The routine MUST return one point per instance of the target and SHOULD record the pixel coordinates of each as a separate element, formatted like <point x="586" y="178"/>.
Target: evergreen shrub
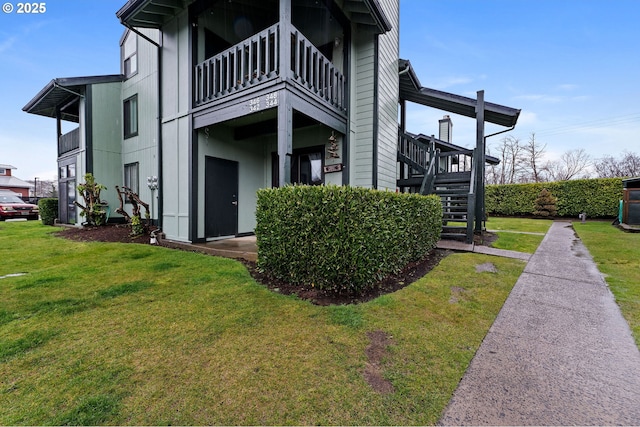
<point x="48" y="208"/>
<point x="342" y="239"/>
<point x="598" y="198"/>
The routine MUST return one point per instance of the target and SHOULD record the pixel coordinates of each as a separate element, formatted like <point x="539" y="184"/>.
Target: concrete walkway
<point x="559" y="352"/>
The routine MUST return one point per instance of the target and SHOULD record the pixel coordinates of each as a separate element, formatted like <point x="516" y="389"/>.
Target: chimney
<point x="446" y="128"/>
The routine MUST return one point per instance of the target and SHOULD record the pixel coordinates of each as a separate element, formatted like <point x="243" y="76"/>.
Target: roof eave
<point x="65" y="84"/>
<point x="411" y="90"/>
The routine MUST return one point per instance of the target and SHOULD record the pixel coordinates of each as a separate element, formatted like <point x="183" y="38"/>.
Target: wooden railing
<point x="414" y="153"/>
<point x="69" y="141"/>
<point x="315" y="72"/>
<point x="257" y="59"/>
<point x="457" y="161"/>
<point x="249" y="62"/>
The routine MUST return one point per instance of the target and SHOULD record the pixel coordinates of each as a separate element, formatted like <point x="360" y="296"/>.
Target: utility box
<point x="631" y="201"/>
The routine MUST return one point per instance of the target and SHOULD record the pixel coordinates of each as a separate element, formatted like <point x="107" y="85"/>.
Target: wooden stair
<point x="453" y="190"/>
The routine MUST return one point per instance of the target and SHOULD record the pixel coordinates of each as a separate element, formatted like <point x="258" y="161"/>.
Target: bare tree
<point x="611" y="167"/>
<point x="572" y="164"/>
<point x="509" y="152"/>
<point x="44" y="188"/>
<point x="532" y="159"/>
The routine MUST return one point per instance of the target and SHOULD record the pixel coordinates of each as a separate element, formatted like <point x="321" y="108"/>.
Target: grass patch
<point x="91" y="411"/>
<point x="7" y="316"/>
<point x="527" y="225"/>
<point x="616" y="254"/>
<point x="518" y="234"/>
<point x="124" y="289"/>
<point x="11" y="348"/>
<point x="527" y="243"/>
<point x="62" y="306"/>
<point x="203" y="344"/>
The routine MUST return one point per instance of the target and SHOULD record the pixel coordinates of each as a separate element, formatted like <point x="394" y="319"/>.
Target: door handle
<point x="234" y="203"/>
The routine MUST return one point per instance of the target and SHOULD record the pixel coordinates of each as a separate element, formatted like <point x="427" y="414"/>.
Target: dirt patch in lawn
<point x="412" y="272"/>
<point x="376" y="353"/>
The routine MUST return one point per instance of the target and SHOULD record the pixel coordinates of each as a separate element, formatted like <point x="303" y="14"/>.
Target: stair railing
<point x="428" y="182"/>
<point x="471" y="202"/>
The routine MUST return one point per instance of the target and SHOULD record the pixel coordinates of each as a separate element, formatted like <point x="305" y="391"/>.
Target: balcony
<point x="256" y="60"/>
<point x="69" y="141"/>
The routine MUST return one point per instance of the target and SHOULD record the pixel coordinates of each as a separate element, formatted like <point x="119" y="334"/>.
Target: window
<point x="130" y="55"/>
<point x="130" y="110"/>
<point x="306" y="166"/>
<point x="131" y="176"/>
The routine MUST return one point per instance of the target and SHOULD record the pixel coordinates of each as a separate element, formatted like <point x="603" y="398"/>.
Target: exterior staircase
<point x="427" y="170"/>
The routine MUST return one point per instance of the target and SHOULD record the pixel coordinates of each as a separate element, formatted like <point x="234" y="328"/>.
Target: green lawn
<point x="518" y="234"/>
<point x="104" y="333"/>
<point x="617" y="255"/>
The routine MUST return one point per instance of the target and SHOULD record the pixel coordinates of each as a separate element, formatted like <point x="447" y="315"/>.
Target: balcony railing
<point x="257" y="59"/>
<point x="69" y="142"/>
<point x="315" y="72"/>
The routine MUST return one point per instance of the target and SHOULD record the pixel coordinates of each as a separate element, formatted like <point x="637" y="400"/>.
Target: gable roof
<point x="412" y="90"/>
<point x="61" y="92"/>
<point x="154" y="13"/>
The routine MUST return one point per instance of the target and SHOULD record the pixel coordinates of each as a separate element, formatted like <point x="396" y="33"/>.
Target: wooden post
<point x="480" y="162"/>
<point x="285" y="39"/>
<point x="285" y="138"/>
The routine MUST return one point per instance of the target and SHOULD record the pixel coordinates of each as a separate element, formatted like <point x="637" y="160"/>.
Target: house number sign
<point x="263" y="102"/>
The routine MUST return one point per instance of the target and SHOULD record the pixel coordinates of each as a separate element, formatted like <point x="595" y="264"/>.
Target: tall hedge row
<point x="598" y="198"/>
<point x="342" y="239"/>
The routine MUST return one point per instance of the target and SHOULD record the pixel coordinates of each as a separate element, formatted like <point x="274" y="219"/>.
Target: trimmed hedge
<point x="48" y="210"/>
<point x="342" y="239"/>
<point x="598" y="198"/>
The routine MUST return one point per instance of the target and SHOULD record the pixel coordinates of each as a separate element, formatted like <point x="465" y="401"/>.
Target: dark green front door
<point x="221" y="197"/>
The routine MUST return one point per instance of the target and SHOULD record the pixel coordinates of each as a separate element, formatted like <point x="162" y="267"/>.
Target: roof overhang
<point x="411" y="90"/>
<point x="631" y="183"/>
<point x="148" y="13"/>
<point x="62" y="92"/>
<point x="154" y="13"/>
<point x="368" y="13"/>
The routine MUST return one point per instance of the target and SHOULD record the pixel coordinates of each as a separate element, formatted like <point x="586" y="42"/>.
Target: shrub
<point x="545" y="205"/>
<point x="342" y="239"/>
<point x="94" y="209"/>
<point x="598" y="198"/>
<point x="48" y="210"/>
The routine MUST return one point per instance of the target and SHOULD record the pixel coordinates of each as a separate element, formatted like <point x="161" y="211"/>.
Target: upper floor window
<point x="130" y="119"/>
<point x="130" y="55"/>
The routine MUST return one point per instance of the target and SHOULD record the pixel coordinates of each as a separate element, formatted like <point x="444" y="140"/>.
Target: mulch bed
<point x="412" y="272"/>
<point x="389" y="284"/>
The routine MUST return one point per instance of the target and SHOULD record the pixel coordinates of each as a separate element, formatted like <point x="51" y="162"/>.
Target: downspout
<point x="55" y="84"/>
<point x="374" y="155"/>
<point x="160" y="174"/>
<point x="484" y="183"/>
<point x="141" y="35"/>
<point x="498" y="133"/>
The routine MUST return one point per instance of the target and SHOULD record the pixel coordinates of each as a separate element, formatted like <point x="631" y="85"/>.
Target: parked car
<point x="12" y="206"/>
